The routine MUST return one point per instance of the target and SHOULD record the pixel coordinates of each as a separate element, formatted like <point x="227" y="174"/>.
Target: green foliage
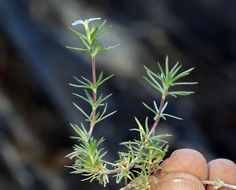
<point x="143" y="155"/>
<point x="86" y="83"/>
<point x="89" y="161"/>
<point x="156" y="111"/>
<point x="91" y="39"/>
<point x="140" y="183"/>
<point x="92" y="45"/>
<point x="100" y="102"/>
<point x="163" y="81"/>
<point x="88" y="157"/>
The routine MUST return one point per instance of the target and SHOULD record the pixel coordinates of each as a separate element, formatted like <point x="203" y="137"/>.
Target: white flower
<point x="85" y="21"/>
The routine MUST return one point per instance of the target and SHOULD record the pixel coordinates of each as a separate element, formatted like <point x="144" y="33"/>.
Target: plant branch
<point x="110" y="163"/>
<point x="94" y="97"/>
<point x="153" y="127"/>
<point x="218" y="184"/>
<point x="150" y="167"/>
<point x="159" y="115"/>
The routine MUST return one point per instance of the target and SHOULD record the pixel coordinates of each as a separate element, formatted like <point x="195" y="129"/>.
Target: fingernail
<point x="180" y="183"/>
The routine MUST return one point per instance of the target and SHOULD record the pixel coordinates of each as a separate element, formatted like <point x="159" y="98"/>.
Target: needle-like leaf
<point x="81" y="110"/>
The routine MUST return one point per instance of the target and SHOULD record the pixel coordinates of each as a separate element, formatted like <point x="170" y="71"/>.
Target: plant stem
<point x="149" y="168"/>
<point x="94" y="82"/>
<point x="218" y="184"/>
<point x="94" y="97"/>
<point x="153" y="127"/>
<point x="159" y="114"/>
<point x="158" y="118"/>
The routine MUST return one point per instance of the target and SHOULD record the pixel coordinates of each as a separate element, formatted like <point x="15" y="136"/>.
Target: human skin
<point x="185" y="169"/>
<point x="187" y="161"/>
<point x="224" y="169"/>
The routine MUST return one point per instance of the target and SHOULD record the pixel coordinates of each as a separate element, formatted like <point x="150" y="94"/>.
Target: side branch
<point x="159" y="113"/>
<point x="218" y="184"/>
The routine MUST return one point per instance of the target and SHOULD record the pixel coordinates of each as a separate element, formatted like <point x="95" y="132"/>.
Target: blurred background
<point x="35" y="69"/>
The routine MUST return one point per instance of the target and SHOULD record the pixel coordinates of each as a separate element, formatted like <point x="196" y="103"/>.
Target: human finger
<point x="180" y="181"/>
<point x="188" y="161"/>
<point x="223" y="169"/>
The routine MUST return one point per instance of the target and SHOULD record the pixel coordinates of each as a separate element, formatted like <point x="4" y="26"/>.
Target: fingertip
<point x="180" y="181"/>
<point x="223" y="169"/>
<point x="187" y="160"/>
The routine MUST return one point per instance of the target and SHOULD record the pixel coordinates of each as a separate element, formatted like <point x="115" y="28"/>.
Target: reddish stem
<point x="159" y="113"/>
<point x="94" y="97"/>
<point x="153" y="128"/>
<point x="158" y="118"/>
<point x="94" y="82"/>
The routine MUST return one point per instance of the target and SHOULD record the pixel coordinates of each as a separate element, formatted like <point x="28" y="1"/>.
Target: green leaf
<point x="180" y="93"/>
<point x="98" y="102"/>
<point x="77" y="33"/>
<point x="167" y="68"/>
<point x="184" y="83"/>
<point x="153" y="74"/>
<point x="80" y="109"/>
<point x="164" y="107"/>
<point x="88" y="81"/>
<point x="140" y="128"/>
<point x="77" y="49"/>
<point x="92" y="29"/>
<point x="79" y="86"/>
<point x="129" y="142"/>
<point x="81" y="132"/>
<point x="97" y="48"/>
<point x="184" y="73"/>
<point x="101" y="26"/>
<point x="100" y="29"/>
<point x="156" y="83"/>
<point x="85" y="44"/>
<point x="100" y="77"/>
<point x="96" y="117"/>
<point x="112" y="47"/>
<point x="162" y="72"/>
<point x="153" y="85"/>
<point x="149" y="108"/>
<point x="104" y="80"/>
<point x="106" y="49"/>
<point x="108" y="115"/>
<point x="86" y="85"/>
<point x="83" y="98"/>
<point x="119" y="177"/>
<point x="89" y="97"/>
<point x="93" y="34"/>
<point x="146" y="126"/>
<point x="81" y="82"/>
<point x="174" y="69"/>
<point x="106" y="97"/>
<point x="104" y="111"/>
<point x="155" y="106"/>
<point x="172" y="116"/>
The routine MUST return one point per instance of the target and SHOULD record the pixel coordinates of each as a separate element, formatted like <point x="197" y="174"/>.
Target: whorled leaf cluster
<point x="92" y="38"/>
<point x="100" y="102"/>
